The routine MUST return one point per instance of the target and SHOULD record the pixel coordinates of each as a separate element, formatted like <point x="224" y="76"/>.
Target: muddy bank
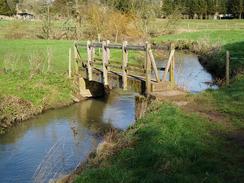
<point x="14" y="110"/>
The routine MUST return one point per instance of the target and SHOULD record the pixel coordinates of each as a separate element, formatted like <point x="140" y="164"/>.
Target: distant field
<point x="201" y="24"/>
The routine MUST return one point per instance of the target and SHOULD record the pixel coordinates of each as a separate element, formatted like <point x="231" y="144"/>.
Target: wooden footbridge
<point x="98" y="65"/>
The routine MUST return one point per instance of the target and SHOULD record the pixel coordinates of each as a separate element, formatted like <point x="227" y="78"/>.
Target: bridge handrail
<point x="120" y="46"/>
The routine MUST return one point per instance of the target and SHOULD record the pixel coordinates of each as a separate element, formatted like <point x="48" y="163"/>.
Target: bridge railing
<point x="146" y="69"/>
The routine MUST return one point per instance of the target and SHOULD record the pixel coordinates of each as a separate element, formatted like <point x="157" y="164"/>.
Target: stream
<point x="55" y="143"/>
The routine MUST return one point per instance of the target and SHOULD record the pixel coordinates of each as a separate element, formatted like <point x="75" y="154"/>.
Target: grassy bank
<point x="29" y="85"/>
<point x="171" y="146"/>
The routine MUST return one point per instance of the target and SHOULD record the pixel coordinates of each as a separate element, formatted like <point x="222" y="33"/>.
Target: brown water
<point x="54" y="143"/>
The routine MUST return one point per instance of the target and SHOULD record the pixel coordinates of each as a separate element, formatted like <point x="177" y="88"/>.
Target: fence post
<point x="172" y="67"/>
<point x="89" y="60"/>
<point x="124" y="64"/>
<point x="70" y="60"/>
<point x="99" y="40"/>
<point x="76" y="59"/>
<point x="227" y="68"/>
<point x="105" y="63"/>
<point x="148" y="69"/>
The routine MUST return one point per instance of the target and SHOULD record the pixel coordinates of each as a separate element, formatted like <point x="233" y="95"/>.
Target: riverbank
<point x="22" y="97"/>
<point x="201" y="141"/>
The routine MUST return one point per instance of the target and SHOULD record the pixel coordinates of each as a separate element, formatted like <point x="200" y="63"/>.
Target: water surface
<point x="189" y="73"/>
<point x="54" y="143"/>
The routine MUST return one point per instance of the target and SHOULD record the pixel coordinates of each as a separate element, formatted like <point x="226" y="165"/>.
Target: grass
<point x="171" y="146"/>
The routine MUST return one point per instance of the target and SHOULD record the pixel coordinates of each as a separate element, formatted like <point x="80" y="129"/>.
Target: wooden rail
<point x="105" y="65"/>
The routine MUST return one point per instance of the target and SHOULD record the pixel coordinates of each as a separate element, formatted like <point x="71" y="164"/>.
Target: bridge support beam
<point x="125" y="64"/>
<point x="148" y="69"/>
<point x="105" y="63"/>
<point x="89" y="60"/>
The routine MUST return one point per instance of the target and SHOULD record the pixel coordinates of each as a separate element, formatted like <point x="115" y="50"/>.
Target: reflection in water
<point x="189" y="73"/>
<point x="56" y="142"/>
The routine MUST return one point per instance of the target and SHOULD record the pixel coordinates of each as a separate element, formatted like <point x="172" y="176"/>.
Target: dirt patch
<point x="208" y="112"/>
<point x="14" y="109"/>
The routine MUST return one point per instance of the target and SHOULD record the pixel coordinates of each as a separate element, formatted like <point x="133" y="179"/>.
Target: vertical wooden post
<point x="227" y="67"/>
<point x="124" y="64"/>
<point x="105" y="63"/>
<point x="172" y="67"/>
<point x="48" y="59"/>
<point x="108" y="53"/>
<point x="89" y="60"/>
<point x="172" y="52"/>
<point x="76" y="59"/>
<point x="148" y="69"/>
<point x="99" y="40"/>
<point x="70" y="60"/>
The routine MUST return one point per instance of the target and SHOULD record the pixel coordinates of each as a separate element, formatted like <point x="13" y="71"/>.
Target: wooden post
<point x="148" y="69"/>
<point x="76" y="59"/>
<point x="89" y="60"/>
<point x="227" y="67"/>
<point x="70" y="60"/>
<point x="48" y="59"/>
<point x="108" y="54"/>
<point x="99" y="40"/>
<point x="154" y="65"/>
<point x="172" y="68"/>
<point x="171" y="56"/>
<point x="105" y="64"/>
<point x="124" y="64"/>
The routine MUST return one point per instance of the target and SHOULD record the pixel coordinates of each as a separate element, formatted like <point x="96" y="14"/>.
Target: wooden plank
<point x="70" y="60"/>
<point x="227" y="68"/>
<point x="105" y="63"/>
<point x="76" y="54"/>
<point x="172" y="71"/>
<point x="148" y="70"/>
<point x="168" y="64"/>
<point x="154" y="65"/>
<point x="89" y="60"/>
<point x="124" y="64"/>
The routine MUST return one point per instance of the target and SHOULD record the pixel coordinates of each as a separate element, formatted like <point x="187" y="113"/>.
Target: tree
<point x="7" y="7"/>
<point x="238" y="7"/>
